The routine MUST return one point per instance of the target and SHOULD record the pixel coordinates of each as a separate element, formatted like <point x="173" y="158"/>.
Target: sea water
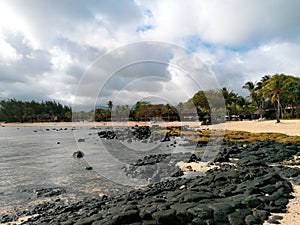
<point x="41" y="157"/>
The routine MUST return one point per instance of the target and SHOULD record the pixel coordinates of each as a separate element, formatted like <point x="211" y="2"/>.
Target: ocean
<point x="33" y="158"/>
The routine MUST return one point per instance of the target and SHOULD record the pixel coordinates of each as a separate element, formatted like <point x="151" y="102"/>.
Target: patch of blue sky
<point x="194" y="42"/>
<point x="242" y="47"/>
<point x="148" y="13"/>
<point x="144" y="28"/>
<point x="238" y="48"/>
<point x="170" y="56"/>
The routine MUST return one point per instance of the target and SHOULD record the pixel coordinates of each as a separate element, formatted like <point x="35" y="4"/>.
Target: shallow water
<point x="41" y="157"/>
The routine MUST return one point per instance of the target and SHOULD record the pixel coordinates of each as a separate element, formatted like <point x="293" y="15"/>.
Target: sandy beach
<point x="289" y="127"/>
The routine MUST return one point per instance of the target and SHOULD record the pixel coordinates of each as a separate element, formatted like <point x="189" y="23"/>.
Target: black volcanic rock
<point x="241" y="194"/>
<point x="78" y="154"/>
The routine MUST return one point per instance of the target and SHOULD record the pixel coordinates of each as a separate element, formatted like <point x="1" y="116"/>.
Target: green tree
<point x="169" y="112"/>
<point x="251" y="87"/>
<point x="12" y="110"/>
<point x="110" y="105"/>
<point x="293" y="93"/>
<point x="138" y="109"/>
<point x="275" y="88"/>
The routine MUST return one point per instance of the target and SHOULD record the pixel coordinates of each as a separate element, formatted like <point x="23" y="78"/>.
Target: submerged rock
<point x="78" y="154"/>
<point x="81" y="140"/>
<point x="88" y="168"/>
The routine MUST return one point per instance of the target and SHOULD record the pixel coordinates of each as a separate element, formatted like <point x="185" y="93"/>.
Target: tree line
<point x="280" y="91"/>
<point x="141" y="111"/>
<point x="273" y="96"/>
<point x="13" y="110"/>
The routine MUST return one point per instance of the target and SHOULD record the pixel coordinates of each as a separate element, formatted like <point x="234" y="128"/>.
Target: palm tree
<point x="255" y="91"/>
<point x="292" y="92"/>
<point x="265" y="78"/>
<point x="110" y="105"/>
<point x="251" y="87"/>
<point x="230" y="101"/>
<point x="258" y="90"/>
<point x="274" y="88"/>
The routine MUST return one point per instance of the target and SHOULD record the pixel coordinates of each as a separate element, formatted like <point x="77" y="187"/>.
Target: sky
<point x="84" y="53"/>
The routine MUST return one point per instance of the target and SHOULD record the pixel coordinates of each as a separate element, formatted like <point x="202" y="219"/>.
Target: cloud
<point x="8" y="53"/>
<point x="49" y="47"/>
<point x="44" y="22"/>
<point x="146" y="69"/>
<point x="54" y="38"/>
<point x="230" y="22"/>
<point x="273" y="58"/>
<point x="125" y="66"/>
<point x="20" y="61"/>
<point x="239" y="67"/>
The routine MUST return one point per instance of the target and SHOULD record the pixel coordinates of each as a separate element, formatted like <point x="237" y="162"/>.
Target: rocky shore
<point x="249" y="182"/>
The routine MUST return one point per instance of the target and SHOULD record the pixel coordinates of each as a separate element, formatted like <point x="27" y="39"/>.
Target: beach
<point x="289" y="127"/>
<point x="246" y="191"/>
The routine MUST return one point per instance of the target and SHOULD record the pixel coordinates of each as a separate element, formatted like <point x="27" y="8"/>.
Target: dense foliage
<point x="280" y="91"/>
<point x="49" y="111"/>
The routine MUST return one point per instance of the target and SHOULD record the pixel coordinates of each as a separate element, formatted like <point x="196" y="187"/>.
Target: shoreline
<point x="288" y="127"/>
<point x="235" y="183"/>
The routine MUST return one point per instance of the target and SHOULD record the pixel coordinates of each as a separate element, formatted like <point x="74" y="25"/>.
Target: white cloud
<point x="57" y="85"/>
<point x="239" y="67"/>
<point x="228" y="22"/>
<point x="46" y="46"/>
<point x="61" y="60"/>
<point x="273" y="58"/>
<point x="8" y="54"/>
